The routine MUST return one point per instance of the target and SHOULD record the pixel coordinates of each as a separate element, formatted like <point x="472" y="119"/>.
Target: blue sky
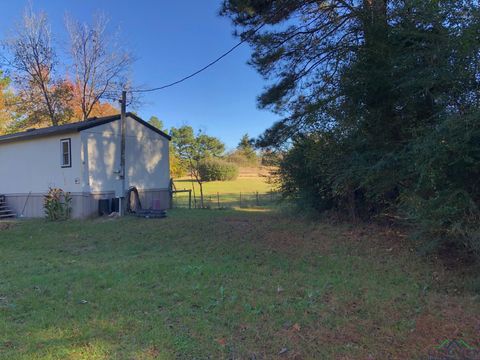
<point x="171" y="39"/>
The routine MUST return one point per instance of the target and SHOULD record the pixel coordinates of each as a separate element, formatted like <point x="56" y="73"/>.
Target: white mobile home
<point x="83" y="159"/>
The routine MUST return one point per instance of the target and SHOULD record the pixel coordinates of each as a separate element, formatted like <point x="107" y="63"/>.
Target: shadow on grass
<point x="237" y="283"/>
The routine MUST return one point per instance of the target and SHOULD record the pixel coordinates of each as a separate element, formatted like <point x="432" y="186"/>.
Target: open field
<point x="224" y="284"/>
<point x="246" y="187"/>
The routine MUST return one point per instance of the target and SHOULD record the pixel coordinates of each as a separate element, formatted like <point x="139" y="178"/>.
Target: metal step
<point x="5" y="211"/>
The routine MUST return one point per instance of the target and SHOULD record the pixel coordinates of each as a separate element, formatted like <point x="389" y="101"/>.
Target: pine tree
<point x="246" y="149"/>
<point x="380" y="102"/>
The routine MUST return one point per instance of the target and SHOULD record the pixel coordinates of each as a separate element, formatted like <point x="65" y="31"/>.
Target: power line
<point x="203" y="68"/>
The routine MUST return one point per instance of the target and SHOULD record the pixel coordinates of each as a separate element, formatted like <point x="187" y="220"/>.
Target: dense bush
<point x="380" y="111"/>
<point x="217" y="170"/>
<point x="431" y="182"/>
<point x="444" y="198"/>
<point x="57" y="204"/>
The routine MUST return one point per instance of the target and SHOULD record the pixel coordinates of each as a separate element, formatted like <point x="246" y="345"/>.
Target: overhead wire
<point x="245" y="39"/>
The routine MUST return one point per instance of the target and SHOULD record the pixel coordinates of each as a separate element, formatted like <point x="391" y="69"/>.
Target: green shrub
<point x="57" y="204"/>
<point x="430" y="183"/>
<point x="217" y="170"/>
<point x="444" y="200"/>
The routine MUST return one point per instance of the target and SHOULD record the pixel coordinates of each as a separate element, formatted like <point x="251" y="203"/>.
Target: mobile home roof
<point x="75" y="127"/>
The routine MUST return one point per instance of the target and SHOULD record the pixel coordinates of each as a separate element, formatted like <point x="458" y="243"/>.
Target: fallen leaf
<point x="296" y="327"/>
<point x="222" y="341"/>
<point x="283" y="351"/>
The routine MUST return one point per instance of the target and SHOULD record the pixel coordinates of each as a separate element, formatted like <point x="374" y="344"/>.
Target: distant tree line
<point x="380" y="104"/>
<point x="37" y="89"/>
<point x="203" y="157"/>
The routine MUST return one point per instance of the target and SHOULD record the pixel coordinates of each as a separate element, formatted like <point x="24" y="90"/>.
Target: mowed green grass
<point x="240" y="192"/>
<point x="211" y="284"/>
<point x="242" y="184"/>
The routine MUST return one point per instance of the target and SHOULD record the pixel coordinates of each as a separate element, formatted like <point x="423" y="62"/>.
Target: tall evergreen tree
<point x="380" y="100"/>
<point x="246" y="148"/>
<point x="155" y="121"/>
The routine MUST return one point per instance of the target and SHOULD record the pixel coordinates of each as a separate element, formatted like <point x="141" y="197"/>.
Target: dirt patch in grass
<point x="6" y="225"/>
<point x="305" y="235"/>
<point x="366" y="339"/>
<point x="292" y="237"/>
<point x="441" y="316"/>
<point x="445" y="318"/>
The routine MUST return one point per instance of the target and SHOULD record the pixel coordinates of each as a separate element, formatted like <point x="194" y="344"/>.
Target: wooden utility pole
<point x="123" y="125"/>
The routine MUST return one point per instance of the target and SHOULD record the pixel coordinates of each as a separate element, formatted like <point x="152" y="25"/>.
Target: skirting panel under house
<point x="84" y="205"/>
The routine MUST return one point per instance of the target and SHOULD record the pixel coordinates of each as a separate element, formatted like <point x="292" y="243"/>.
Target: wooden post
<point x="190" y="199"/>
<point x="256" y="195"/>
<point x="240" y="199"/>
<point x="172" y="187"/>
<point x="218" y="200"/>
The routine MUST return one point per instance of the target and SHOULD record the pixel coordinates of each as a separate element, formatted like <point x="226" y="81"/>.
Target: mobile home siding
<point x="29" y="166"/>
<point x="34" y="165"/>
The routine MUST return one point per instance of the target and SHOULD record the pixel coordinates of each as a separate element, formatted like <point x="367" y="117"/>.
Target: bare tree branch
<point x="100" y="65"/>
<point x="33" y="61"/>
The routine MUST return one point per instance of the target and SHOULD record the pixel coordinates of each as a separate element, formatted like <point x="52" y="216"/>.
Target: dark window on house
<point x="66" y="152"/>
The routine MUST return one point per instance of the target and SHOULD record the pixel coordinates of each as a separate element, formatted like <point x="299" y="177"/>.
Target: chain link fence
<point x="186" y="199"/>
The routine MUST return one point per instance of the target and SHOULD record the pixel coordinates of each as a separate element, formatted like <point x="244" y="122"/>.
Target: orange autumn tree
<point x="98" y="109"/>
<point x="5" y="112"/>
<point x="32" y="61"/>
<point x="41" y="94"/>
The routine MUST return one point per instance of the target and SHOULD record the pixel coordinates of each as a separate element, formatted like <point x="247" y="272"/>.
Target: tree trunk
<point x="352" y="207"/>
<point x="201" y="194"/>
<point x="194" y="193"/>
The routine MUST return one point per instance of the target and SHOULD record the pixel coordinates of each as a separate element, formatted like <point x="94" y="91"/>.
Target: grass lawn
<point x="246" y="185"/>
<point x="224" y="284"/>
<point x="229" y="192"/>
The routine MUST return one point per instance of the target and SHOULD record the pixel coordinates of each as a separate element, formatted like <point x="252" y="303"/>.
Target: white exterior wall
<point x="100" y="156"/>
<point x="147" y="158"/>
<point x="34" y="165"/>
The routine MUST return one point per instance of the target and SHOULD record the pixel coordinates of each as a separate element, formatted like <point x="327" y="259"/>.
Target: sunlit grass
<point x="242" y="192"/>
<point x="245" y="185"/>
<point x="221" y="284"/>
